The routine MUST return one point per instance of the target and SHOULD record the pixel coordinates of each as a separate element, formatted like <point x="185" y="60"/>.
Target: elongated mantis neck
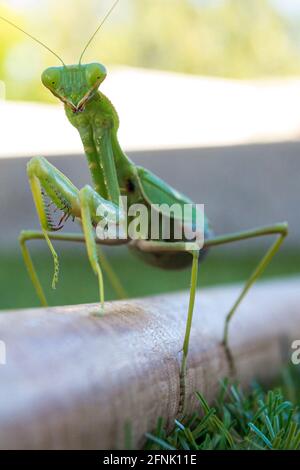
<point x="97" y="126"/>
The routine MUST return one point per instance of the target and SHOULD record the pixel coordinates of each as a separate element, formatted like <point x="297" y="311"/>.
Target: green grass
<point x="260" y="419"/>
<point x="77" y="283"/>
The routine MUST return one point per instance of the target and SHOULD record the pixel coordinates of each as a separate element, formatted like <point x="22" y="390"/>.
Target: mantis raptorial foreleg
<point x="90" y="202"/>
<point x="45" y="178"/>
<point x="87" y="202"/>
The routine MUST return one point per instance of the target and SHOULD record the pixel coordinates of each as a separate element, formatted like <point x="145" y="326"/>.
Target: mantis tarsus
<point x="114" y="174"/>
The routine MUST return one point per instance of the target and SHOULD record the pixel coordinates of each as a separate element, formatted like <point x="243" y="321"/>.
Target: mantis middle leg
<point x="27" y="235"/>
<point x="194" y="250"/>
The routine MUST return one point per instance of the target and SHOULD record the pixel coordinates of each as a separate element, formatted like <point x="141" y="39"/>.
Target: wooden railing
<point x="74" y="380"/>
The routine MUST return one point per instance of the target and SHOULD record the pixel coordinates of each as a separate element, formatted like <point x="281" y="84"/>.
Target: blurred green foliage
<point x="229" y="38"/>
<point x="220" y="267"/>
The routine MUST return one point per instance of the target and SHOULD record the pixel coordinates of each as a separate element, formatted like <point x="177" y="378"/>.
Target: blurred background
<point x="208" y="93"/>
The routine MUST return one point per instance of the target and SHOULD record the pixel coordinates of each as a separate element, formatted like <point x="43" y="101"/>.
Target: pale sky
<point x="290" y="7"/>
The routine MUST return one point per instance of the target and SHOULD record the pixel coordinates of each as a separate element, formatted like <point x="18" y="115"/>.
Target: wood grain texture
<point x="73" y="380"/>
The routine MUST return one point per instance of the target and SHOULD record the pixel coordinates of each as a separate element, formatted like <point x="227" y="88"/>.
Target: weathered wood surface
<point x="72" y="380"/>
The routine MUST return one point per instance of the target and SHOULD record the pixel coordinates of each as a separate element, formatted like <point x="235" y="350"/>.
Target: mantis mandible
<point x="114" y="174"/>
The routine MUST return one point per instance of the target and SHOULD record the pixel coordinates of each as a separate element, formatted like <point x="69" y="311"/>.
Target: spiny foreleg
<point x="48" y="183"/>
<point x="92" y="205"/>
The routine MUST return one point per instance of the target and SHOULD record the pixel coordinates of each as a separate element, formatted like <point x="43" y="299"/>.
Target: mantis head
<point x="74" y="85"/>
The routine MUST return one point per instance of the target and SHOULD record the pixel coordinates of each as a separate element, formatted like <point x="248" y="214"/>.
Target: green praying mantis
<point x="114" y="175"/>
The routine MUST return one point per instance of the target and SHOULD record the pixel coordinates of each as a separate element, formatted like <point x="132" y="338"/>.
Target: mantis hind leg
<point x="27" y="235"/>
<point x="281" y="230"/>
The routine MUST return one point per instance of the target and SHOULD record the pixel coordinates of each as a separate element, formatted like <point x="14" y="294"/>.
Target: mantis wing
<point x="158" y="192"/>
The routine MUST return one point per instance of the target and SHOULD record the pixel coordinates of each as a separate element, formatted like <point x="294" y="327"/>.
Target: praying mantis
<point x="114" y="175"/>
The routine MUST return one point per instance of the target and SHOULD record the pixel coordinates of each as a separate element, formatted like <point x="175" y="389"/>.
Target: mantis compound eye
<point x="95" y="74"/>
<point x="51" y="77"/>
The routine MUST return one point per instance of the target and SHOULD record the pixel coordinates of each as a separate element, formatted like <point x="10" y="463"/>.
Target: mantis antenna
<point x="32" y="37"/>
<point x="102" y="22"/>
